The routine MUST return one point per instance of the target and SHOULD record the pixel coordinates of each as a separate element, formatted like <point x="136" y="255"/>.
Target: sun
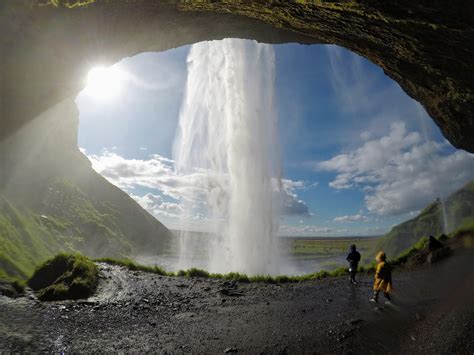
<point x="104" y="83"/>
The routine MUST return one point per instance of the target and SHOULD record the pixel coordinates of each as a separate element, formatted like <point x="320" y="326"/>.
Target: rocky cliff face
<point x="426" y="46"/>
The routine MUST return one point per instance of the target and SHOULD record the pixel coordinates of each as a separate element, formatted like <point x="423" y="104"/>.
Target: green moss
<point x="193" y="272"/>
<point x="66" y="276"/>
<point x="236" y="276"/>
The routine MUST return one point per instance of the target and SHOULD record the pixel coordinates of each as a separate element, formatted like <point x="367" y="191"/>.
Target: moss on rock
<point x="66" y="276"/>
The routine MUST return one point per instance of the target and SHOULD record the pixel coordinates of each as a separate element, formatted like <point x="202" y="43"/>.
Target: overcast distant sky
<point x="359" y="155"/>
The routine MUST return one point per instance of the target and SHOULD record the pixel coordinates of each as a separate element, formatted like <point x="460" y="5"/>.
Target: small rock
<point x="231" y="350"/>
<point x="152" y="323"/>
<point x="354" y="321"/>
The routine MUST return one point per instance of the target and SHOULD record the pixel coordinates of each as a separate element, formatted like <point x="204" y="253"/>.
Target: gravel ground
<point x="134" y="311"/>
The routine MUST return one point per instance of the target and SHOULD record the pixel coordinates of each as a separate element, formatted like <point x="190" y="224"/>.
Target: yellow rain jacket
<point x="383" y="277"/>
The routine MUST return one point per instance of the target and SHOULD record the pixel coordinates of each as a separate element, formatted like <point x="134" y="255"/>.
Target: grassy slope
<point x="68" y="222"/>
<point x="459" y="209"/>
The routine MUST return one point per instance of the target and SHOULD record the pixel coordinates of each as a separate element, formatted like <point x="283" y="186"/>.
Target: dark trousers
<point x="376" y="295"/>
<point x="352" y="273"/>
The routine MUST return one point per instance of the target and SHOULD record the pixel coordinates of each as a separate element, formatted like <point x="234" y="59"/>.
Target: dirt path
<point x="135" y="311"/>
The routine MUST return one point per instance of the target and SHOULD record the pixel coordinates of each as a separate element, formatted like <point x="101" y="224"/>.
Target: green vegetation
<point x="466" y="228"/>
<point x="324" y="249"/>
<point x="11" y="287"/>
<point x="459" y="212"/>
<point x="25" y="240"/>
<point x="66" y="276"/>
<point x="194" y="272"/>
<point x="67" y="3"/>
<point x="69" y="221"/>
<point x="72" y="276"/>
<point x="131" y="265"/>
<point x="405" y="255"/>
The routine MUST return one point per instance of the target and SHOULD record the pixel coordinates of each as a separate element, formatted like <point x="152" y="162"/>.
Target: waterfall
<point x="444" y="215"/>
<point x="424" y="131"/>
<point x="227" y="131"/>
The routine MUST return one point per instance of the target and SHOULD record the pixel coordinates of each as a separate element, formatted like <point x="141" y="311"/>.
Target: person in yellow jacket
<point x="383" y="278"/>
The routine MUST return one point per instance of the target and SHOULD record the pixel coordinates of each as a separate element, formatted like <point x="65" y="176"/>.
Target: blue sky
<point x="358" y="154"/>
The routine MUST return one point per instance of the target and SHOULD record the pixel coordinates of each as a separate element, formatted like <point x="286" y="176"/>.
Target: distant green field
<point x="328" y="250"/>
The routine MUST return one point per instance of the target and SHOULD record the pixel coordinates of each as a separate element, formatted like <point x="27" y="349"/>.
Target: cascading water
<point x="227" y="131"/>
<point x="445" y="216"/>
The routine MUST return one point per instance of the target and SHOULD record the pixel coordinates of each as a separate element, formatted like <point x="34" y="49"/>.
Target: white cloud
<point x="359" y="217"/>
<point x="399" y="172"/>
<point x="292" y="205"/>
<point x="154" y="173"/>
<point x="158" y="207"/>
<point x="193" y="188"/>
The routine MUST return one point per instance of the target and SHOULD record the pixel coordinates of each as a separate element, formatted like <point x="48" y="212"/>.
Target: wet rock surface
<point x="135" y="311"/>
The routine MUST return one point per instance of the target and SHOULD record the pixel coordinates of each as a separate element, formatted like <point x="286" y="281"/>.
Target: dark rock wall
<point x="426" y="46"/>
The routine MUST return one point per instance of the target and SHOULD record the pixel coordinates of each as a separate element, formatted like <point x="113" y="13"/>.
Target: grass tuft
<point x="193" y="272"/>
<point x="131" y="265"/>
<point x="66" y="276"/>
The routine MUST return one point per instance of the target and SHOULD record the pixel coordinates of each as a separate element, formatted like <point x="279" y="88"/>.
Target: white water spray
<point x="227" y="129"/>
<point x="424" y="130"/>
<point x="445" y="216"/>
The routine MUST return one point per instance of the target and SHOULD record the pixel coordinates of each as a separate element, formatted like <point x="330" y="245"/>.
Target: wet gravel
<point x="134" y="311"/>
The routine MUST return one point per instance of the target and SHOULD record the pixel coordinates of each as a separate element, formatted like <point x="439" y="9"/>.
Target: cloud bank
<point x="173" y="190"/>
<point x="399" y="172"/>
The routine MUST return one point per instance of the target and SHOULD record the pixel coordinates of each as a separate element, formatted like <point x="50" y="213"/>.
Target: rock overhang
<point x="48" y="46"/>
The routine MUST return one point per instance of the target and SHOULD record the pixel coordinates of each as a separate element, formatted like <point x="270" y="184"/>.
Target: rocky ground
<point x="135" y="311"/>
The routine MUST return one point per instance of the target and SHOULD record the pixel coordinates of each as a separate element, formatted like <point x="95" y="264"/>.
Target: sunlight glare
<point x="104" y="83"/>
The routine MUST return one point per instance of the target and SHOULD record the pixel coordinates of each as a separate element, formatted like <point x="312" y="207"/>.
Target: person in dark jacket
<point x="353" y="258"/>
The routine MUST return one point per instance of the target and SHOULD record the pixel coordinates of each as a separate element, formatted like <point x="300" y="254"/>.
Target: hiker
<point x="353" y="258"/>
<point x="383" y="278"/>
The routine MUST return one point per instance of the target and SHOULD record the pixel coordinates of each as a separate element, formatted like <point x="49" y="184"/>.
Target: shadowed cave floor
<point x="134" y="311"/>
